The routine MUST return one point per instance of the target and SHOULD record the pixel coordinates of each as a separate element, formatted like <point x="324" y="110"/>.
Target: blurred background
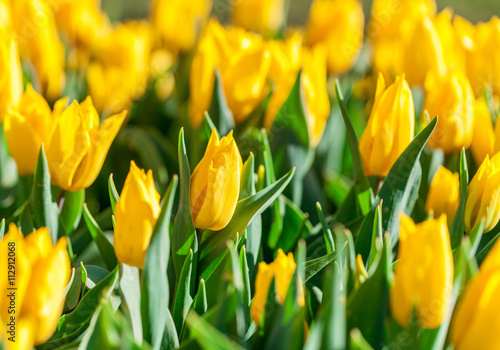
<point x="474" y="10"/>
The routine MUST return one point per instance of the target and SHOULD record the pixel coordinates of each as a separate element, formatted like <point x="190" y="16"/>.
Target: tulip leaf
<point x="363" y="189"/>
<point x="296" y="225"/>
<point x="183" y="299"/>
<point x="45" y="211"/>
<point x="399" y="193"/>
<point x="357" y="341"/>
<point x="170" y="338"/>
<point x="113" y="193"/>
<point x="200" y="304"/>
<point x="72" y="209"/>
<point x="212" y="242"/>
<point x="209" y="126"/>
<point x="105" y="247"/>
<point x="154" y="282"/>
<point x="457" y="226"/>
<point x="327" y="233"/>
<point x="245" y="273"/>
<point x="219" y="111"/>
<point x="2" y="228"/>
<point x="184" y="236"/>
<point x="312" y="267"/>
<point x="130" y="291"/>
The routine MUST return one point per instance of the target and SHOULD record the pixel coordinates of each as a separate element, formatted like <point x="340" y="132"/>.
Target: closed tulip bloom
<point x="263" y="16"/>
<point x="42" y="273"/>
<point x="11" y="83"/>
<point x="483" y="195"/>
<point x="136" y="213"/>
<point x="423" y="277"/>
<point x="483" y="136"/>
<point x="215" y="183"/>
<point x="79" y="145"/>
<point x="451" y="98"/>
<point x="476" y="322"/>
<point x="444" y="194"/>
<point x="338" y="25"/>
<point x="282" y="270"/>
<point x="390" y="127"/>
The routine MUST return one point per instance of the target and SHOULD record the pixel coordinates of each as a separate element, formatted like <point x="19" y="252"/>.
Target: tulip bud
<point x="451" y="98"/>
<point x="476" y="322"/>
<point x="483" y="136"/>
<point x="42" y="273"/>
<point x="79" y="145"/>
<point x="263" y="16"/>
<point x="136" y="213"/>
<point x="423" y="277"/>
<point x="444" y="182"/>
<point x="11" y="83"/>
<point x="215" y="183"/>
<point x="282" y="270"/>
<point x="338" y="25"/>
<point x="390" y="127"/>
<point x="482" y="195"/>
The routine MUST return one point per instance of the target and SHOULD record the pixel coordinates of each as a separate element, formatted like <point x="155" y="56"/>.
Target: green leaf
<point x="154" y="282"/>
<point x="183" y="299"/>
<point x="209" y="337"/>
<point x="327" y="233"/>
<point x="296" y="225"/>
<point x="170" y="338"/>
<point x="333" y="316"/>
<point x="209" y="126"/>
<point x="377" y="234"/>
<point x="130" y="291"/>
<point x="71" y="211"/>
<point x="247" y="291"/>
<point x="219" y="111"/>
<point x="105" y="248"/>
<point x="457" y="226"/>
<point x="200" y="304"/>
<point x="357" y="342"/>
<point x="45" y="211"/>
<point x="113" y="193"/>
<point x="2" y="228"/>
<point x="312" y="267"/>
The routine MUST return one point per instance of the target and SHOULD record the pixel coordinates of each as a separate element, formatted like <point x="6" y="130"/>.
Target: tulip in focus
<point x="483" y="196"/>
<point x="451" y="98"/>
<point x="483" y="136"/>
<point x="476" y="322"/>
<point x="390" y="127"/>
<point x="423" y="277"/>
<point x="79" y="145"/>
<point x="11" y="83"/>
<point x="444" y="194"/>
<point x="215" y="183"/>
<point x="282" y="270"/>
<point x="136" y="213"/>
<point x="337" y="25"/>
<point x="42" y="273"/>
<point x="263" y="16"/>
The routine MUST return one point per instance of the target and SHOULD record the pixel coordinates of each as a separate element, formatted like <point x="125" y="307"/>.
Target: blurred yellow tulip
<point x="263" y="16"/>
<point x="450" y="97"/>
<point x="390" y="127"/>
<point x="11" y="83"/>
<point x="281" y="270"/>
<point x="423" y="277"/>
<point x="79" y="145"/>
<point x="179" y="22"/>
<point x="215" y="183"/>
<point x="483" y="136"/>
<point x="483" y="195"/>
<point x="136" y="213"/>
<point x="338" y="25"/>
<point x="476" y="322"/>
<point x="444" y="182"/>
<point x="42" y="273"/>
<point x="5" y="15"/>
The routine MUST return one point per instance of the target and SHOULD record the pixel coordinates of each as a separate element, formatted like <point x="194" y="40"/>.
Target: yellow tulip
<point x="136" y="213"/>
<point x="42" y="273"/>
<point x="483" y="136"/>
<point x="390" y="127"/>
<point x="179" y="22"/>
<point x="476" y="322"/>
<point x="5" y="15"/>
<point x="482" y="195"/>
<point x="215" y="183"/>
<point x="423" y="277"/>
<point x="263" y="16"/>
<point x="38" y="40"/>
<point x="282" y="270"/>
<point x="451" y="98"/>
<point x="27" y="126"/>
<point x="11" y="83"/>
<point x="444" y="182"/>
<point x="79" y="145"/>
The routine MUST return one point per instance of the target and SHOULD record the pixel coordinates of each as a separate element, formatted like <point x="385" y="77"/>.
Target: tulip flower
<point x="423" y="277"/>
<point x="11" y="83"/>
<point x="42" y="273"/>
<point x="444" y="181"/>
<point x="483" y="195"/>
<point x="390" y="127"/>
<point x="215" y="183"/>
<point x="27" y="126"/>
<point x="281" y="270"/>
<point x="451" y="98"/>
<point x="476" y="322"/>
<point x="136" y="213"/>
<point x="338" y="25"/>
<point x="483" y="136"/>
<point x="179" y="22"/>
<point x="263" y="16"/>
<point x="79" y="145"/>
